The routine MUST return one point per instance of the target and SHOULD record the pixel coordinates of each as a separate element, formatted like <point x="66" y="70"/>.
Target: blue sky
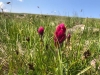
<point x="90" y="8"/>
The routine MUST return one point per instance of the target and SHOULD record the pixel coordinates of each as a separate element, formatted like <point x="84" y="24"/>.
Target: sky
<point x="79" y="8"/>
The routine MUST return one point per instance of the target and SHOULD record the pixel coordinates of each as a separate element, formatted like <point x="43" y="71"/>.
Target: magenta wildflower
<point x="61" y="26"/>
<point x="60" y="35"/>
<point x="41" y="30"/>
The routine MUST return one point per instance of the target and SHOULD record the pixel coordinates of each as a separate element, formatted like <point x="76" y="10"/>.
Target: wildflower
<point x="61" y="26"/>
<point x="99" y="67"/>
<point x="59" y="35"/>
<point x="31" y="66"/>
<point x="87" y="54"/>
<point x="17" y="52"/>
<point x="41" y="30"/>
<point x="93" y="63"/>
<point x="28" y="39"/>
<point x="46" y="46"/>
<point x="68" y="38"/>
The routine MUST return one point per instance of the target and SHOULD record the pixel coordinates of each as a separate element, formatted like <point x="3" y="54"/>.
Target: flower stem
<point x="60" y="62"/>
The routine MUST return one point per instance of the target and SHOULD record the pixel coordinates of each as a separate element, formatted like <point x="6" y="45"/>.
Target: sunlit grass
<point x="20" y="56"/>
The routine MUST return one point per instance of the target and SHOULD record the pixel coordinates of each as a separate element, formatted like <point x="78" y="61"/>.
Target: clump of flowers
<point x="60" y="34"/>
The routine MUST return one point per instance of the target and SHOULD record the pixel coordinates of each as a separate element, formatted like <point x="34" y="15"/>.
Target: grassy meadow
<point x="23" y="53"/>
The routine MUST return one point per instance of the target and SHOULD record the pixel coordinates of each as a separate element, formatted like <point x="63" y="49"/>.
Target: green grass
<point x="21" y="57"/>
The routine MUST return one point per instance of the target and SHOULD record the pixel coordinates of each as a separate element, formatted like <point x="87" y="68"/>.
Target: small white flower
<point x="93" y="63"/>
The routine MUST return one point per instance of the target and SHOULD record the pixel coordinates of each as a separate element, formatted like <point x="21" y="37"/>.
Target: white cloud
<point x="1" y="5"/>
<point x="20" y="0"/>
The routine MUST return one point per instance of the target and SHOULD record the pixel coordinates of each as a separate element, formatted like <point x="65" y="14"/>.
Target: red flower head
<point x="61" y="26"/>
<point x="60" y="35"/>
<point x="41" y="30"/>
